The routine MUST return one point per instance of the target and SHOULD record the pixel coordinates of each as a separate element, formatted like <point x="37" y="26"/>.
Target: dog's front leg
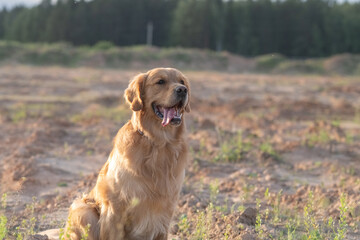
<point x="111" y="225"/>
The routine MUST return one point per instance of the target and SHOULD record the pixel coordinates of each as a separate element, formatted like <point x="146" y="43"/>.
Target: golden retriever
<point x="138" y="187"/>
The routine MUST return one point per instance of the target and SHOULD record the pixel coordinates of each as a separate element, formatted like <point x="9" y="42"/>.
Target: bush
<point x="8" y="49"/>
<point x="103" y="45"/>
<point x="299" y="67"/>
<point x="344" y="64"/>
<point x="267" y="63"/>
<point x="49" y="54"/>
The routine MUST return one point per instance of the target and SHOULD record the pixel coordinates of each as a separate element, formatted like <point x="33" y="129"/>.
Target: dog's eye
<point x="182" y="82"/>
<point x="161" y="81"/>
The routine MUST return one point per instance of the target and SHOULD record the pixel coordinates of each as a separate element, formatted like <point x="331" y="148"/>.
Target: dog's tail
<point x="83" y="221"/>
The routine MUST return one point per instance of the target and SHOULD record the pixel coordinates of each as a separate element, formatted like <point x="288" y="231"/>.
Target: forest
<point x="294" y="28"/>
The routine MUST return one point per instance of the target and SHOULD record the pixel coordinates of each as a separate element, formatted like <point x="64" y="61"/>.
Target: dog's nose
<point x="181" y="91"/>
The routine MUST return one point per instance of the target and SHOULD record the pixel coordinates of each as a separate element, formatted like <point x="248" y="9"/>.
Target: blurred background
<point x="273" y="132"/>
<point x="152" y="32"/>
<point x="294" y="28"/>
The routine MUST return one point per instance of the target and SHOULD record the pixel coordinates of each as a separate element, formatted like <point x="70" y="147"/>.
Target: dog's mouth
<point x="169" y="114"/>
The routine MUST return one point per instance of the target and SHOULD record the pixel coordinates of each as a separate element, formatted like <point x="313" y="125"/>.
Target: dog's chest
<point x="147" y="172"/>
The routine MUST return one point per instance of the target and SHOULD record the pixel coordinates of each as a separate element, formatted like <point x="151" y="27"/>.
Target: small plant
<point x="18" y="113"/>
<point x="311" y="225"/>
<point x="65" y="232"/>
<point x="349" y="139"/>
<point x="231" y="150"/>
<point x="322" y="136"/>
<point x="276" y="207"/>
<point x="3" y="227"/>
<point x="85" y="234"/>
<point x="184" y="225"/>
<point x="266" y="194"/>
<point x="214" y="190"/>
<point x="341" y="231"/>
<point x="4" y="201"/>
<point x="96" y="113"/>
<point x="357" y="116"/>
<point x="3" y="218"/>
<point x="268" y="149"/>
<point x="200" y="228"/>
<point x="291" y="227"/>
<point x="227" y="232"/>
<point x="258" y="227"/>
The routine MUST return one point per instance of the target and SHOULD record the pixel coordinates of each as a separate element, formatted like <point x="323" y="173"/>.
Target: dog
<point x="138" y="187"/>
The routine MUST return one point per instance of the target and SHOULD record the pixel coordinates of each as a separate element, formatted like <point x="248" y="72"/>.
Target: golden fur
<point x="138" y="187"/>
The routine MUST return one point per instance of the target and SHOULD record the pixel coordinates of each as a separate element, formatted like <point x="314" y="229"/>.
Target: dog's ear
<point x="133" y="94"/>
<point x="187" y="106"/>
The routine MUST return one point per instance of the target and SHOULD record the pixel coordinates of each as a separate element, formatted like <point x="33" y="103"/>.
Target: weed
<point x="336" y="123"/>
<point x="266" y="194"/>
<point x="258" y="227"/>
<point x="267" y="148"/>
<point x="291" y="227"/>
<point x="214" y="190"/>
<point x="85" y="234"/>
<point x="227" y="231"/>
<point x="65" y="232"/>
<point x="184" y="224"/>
<point x="3" y="218"/>
<point x="232" y="149"/>
<point x="276" y="207"/>
<point x="62" y="184"/>
<point x="320" y="137"/>
<point x="3" y="226"/>
<point x="200" y="228"/>
<point x="357" y="116"/>
<point x="96" y="113"/>
<point x="341" y="231"/>
<point x="311" y="225"/>
<point x="4" y="201"/>
<point x="349" y="139"/>
<point x="18" y="113"/>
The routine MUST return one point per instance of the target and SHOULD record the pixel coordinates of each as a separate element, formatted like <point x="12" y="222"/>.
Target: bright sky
<point x="12" y="3"/>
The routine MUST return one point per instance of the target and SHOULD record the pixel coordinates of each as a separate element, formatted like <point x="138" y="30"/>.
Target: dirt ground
<point x="272" y="157"/>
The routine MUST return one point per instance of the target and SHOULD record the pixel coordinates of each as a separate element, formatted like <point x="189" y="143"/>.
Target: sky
<point x="12" y="3"/>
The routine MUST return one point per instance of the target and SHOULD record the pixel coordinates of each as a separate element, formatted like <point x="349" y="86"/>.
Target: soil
<point x="299" y="136"/>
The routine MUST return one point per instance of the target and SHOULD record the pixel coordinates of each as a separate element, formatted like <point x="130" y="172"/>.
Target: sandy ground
<point x="278" y="139"/>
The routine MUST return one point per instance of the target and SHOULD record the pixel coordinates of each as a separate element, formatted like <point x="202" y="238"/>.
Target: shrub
<point x="103" y="45"/>
<point x="267" y="63"/>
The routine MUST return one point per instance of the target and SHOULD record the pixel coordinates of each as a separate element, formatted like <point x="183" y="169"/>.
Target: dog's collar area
<point x="140" y="132"/>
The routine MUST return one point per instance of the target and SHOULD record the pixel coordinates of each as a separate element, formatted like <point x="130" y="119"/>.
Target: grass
<point x="258" y="227"/>
<point x="232" y="149"/>
<point x="268" y="149"/>
<point x="321" y="137"/>
<point x="274" y="220"/>
<point x="13" y="227"/>
<point x="3" y="218"/>
<point x="22" y="111"/>
<point x="322" y="133"/>
<point x="96" y="113"/>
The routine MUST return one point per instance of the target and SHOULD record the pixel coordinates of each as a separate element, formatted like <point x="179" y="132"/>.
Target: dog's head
<point x="164" y="93"/>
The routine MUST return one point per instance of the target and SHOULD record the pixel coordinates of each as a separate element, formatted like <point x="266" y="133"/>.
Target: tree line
<point x="295" y="28"/>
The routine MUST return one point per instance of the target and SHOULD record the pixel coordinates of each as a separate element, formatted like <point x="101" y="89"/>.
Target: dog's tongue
<point x="169" y="114"/>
